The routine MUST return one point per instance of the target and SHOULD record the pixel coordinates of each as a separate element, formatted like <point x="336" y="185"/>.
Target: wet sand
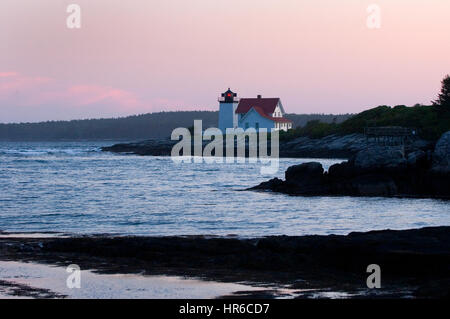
<point x="31" y="280"/>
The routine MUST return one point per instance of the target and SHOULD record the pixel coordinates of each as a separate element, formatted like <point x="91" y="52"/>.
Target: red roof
<point x="268" y="105"/>
<point x="264" y="106"/>
<point x="275" y="119"/>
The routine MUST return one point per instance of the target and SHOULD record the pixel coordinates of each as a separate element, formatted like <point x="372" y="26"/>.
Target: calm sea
<point x="76" y="188"/>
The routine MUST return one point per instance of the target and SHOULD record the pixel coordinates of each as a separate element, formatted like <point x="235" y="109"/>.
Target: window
<point x="246" y="125"/>
<point x="257" y="126"/>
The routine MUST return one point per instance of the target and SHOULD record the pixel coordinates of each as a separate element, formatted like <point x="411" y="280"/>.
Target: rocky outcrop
<point x="416" y="158"/>
<point x="335" y="146"/>
<point x="374" y="171"/>
<point x="154" y="147"/>
<point x="441" y="155"/>
<point x="377" y="157"/>
<point x="332" y="146"/>
<point x="307" y="176"/>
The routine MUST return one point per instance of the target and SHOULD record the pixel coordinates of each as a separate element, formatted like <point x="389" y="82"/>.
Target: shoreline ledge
<point x="373" y="171"/>
<point x="414" y="263"/>
<point x="332" y="146"/>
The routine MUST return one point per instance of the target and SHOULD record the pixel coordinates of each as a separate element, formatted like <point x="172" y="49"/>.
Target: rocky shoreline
<point x="373" y="171"/>
<point x="332" y="146"/>
<point x="414" y="263"/>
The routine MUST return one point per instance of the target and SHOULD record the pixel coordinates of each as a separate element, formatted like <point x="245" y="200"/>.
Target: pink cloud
<point x="91" y="94"/>
<point x="13" y="82"/>
<point x="8" y="74"/>
<point x="35" y="91"/>
<point x="44" y="98"/>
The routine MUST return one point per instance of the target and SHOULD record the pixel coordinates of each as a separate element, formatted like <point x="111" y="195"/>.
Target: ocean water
<point x="75" y="188"/>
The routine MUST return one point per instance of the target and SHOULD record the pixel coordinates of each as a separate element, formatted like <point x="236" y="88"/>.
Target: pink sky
<point x="140" y="56"/>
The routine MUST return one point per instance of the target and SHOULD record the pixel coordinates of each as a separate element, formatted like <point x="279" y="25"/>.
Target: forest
<point x="136" y="127"/>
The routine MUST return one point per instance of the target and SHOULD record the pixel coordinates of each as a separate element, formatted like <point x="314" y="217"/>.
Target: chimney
<point x="259" y="96"/>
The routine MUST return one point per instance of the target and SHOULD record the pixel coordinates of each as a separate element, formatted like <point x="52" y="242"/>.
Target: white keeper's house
<point x="256" y="112"/>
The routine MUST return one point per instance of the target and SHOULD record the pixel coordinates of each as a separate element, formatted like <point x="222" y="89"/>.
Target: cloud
<point x="12" y="83"/>
<point x="37" y="98"/>
<point x="7" y="74"/>
<point x="91" y="94"/>
<point x="29" y="91"/>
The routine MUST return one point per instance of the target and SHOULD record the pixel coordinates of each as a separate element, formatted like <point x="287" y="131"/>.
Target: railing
<point x="222" y="99"/>
<point x="390" y="135"/>
<point x="389" y="131"/>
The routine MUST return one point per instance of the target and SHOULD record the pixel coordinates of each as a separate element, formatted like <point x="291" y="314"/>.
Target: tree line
<point x="136" y="127"/>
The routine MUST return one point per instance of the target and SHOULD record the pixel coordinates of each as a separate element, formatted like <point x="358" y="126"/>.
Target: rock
<point x="341" y="170"/>
<point x="376" y="157"/>
<point x="154" y="147"/>
<point x="331" y="146"/>
<point x="306" y="179"/>
<point x="441" y="155"/>
<point x="424" y="145"/>
<point x="418" y="258"/>
<point x="375" y="171"/>
<point x="274" y="184"/>
<point x="416" y="158"/>
<point x="305" y="173"/>
<point x="439" y="289"/>
<point x="374" y="185"/>
<point x="302" y="179"/>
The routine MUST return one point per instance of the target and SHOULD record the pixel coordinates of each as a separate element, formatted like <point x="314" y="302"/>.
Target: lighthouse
<point x="228" y="103"/>
<point x="256" y="113"/>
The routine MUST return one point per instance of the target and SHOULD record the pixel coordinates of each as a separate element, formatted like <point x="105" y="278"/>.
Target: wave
<point x="49" y="151"/>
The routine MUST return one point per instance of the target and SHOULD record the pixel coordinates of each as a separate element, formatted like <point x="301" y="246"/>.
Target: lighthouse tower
<point x="228" y="103"/>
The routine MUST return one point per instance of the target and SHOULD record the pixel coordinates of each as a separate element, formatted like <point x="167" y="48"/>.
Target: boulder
<point x="416" y="158"/>
<point x="274" y="184"/>
<point x="341" y="170"/>
<point x="374" y="185"/>
<point x="306" y="173"/>
<point x="379" y="157"/>
<point x="441" y="155"/>
<point x="375" y="171"/>
<point x="331" y="146"/>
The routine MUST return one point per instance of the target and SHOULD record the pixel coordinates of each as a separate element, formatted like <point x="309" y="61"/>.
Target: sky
<point x="139" y="56"/>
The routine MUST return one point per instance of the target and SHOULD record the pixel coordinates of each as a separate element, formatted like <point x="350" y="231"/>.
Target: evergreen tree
<point x="444" y="96"/>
